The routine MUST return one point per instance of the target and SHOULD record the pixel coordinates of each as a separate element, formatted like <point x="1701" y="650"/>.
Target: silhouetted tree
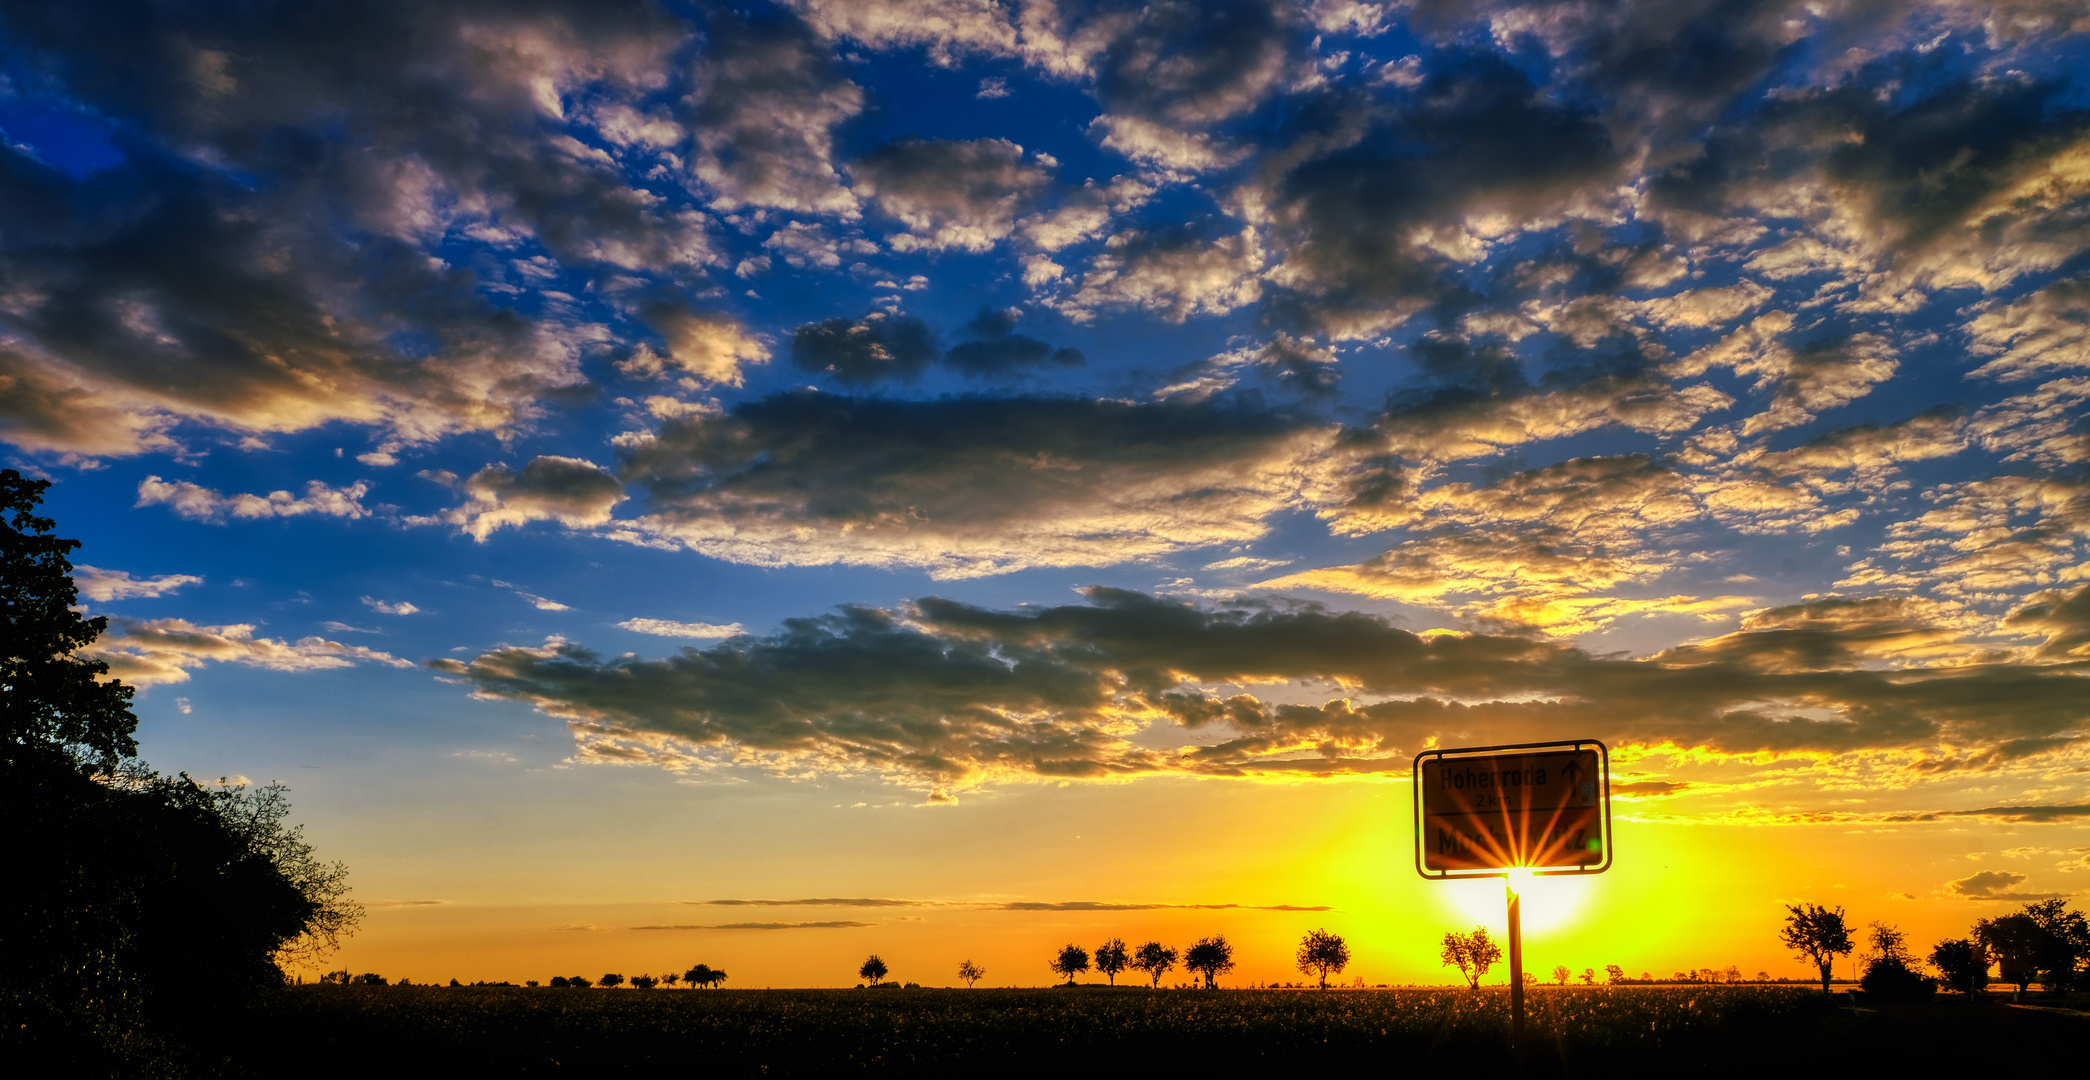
<point x="1818" y="935"/>
<point x="1111" y="958"/>
<point x="669" y="979"/>
<point x="2017" y="943"/>
<point x="1888" y="974"/>
<point x="644" y="982"/>
<point x="1473" y="954"/>
<point x="2067" y="942"/>
<point x="1589" y="976"/>
<point x="559" y="981"/>
<point x="1963" y="962"/>
<point x="970" y="973"/>
<point x="50" y="697"/>
<point x="1071" y="961"/>
<point x="1614" y="974"/>
<point x="579" y="981"/>
<point x="612" y="979"/>
<point x="1211" y="957"/>
<point x="1155" y="959"/>
<point x="873" y="970"/>
<point x="1561" y="974"/>
<point x="1323" y="954"/>
<point x="142" y="912"/>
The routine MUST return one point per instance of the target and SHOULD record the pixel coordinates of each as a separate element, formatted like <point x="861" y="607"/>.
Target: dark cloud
<point x="997" y="349"/>
<point x="950" y="194"/>
<point x="860" y="352"/>
<point x="968" y="485"/>
<point x="1371" y="214"/>
<point x="1993" y="885"/>
<point x="571" y="491"/>
<point x="767" y="97"/>
<point x="2064" y="618"/>
<point x="945" y="693"/>
<point x="1191" y="63"/>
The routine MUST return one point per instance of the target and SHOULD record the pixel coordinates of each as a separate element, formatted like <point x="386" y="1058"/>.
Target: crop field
<point x="1728" y="1031"/>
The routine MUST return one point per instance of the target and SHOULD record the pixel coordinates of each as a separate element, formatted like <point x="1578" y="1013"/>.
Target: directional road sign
<point x="1484" y="810"/>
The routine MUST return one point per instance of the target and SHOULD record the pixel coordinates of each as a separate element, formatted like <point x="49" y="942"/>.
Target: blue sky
<point x="566" y="419"/>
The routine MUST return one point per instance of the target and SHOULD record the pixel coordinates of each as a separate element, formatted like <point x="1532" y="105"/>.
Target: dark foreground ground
<point x="1739" y="1031"/>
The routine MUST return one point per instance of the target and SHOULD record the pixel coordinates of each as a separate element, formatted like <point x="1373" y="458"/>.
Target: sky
<point x="762" y="485"/>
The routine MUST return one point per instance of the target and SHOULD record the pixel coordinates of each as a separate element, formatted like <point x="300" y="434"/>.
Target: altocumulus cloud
<point x="966" y="486"/>
<point x="941" y="694"/>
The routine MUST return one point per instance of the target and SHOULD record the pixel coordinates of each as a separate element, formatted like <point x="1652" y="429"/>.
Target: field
<point x="1698" y="1031"/>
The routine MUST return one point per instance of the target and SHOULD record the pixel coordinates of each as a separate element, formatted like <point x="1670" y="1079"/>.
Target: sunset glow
<point x="767" y="484"/>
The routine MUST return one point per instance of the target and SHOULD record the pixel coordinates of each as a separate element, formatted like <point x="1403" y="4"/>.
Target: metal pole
<point x="1516" y="974"/>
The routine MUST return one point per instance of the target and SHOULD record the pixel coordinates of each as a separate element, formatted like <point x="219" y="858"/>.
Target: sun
<point x="1549" y="903"/>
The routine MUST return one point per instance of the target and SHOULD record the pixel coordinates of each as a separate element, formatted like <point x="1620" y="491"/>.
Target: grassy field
<point x="1732" y="1031"/>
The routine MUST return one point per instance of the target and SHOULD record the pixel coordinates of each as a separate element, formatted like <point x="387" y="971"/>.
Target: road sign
<point x="1485" y="810"/>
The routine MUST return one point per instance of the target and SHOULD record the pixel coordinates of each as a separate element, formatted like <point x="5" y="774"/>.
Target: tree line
<point x="2045" y="942"/>
<point x="144" y="913"/>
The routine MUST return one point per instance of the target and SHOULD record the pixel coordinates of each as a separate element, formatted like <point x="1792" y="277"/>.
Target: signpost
<point x="1486" y="810"/>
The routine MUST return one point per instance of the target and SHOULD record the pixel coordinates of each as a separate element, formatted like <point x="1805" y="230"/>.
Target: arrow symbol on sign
<point x="1572" y="771"/>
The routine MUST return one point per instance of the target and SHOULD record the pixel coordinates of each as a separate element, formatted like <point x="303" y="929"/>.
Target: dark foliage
<point x="50" y="697"/>
<point x="143" y="915"/>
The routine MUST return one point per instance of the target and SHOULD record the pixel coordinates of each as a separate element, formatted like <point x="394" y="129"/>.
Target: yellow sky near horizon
<point x="1680" y="896"/>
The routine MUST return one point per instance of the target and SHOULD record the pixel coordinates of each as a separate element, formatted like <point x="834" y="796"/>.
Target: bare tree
<point x="1322" y="953"/>
<point x="970" y="973"/>
<point x="1561" y="974"/>
<point x="1155" y="959"/>
<point x="1473" y="954"/>
<point x="1818" y="934"/>
<point x="872" y="970"/>
<point x="1210" y="957"/>
<point x="1589" y="976"/>
<point x="1070" y="962"/>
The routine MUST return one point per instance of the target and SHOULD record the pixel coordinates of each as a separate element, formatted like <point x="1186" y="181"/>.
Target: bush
<point x="1891" y="979"/>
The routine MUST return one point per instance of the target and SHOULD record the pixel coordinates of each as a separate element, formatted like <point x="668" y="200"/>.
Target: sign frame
<point x="1463" y="752"/>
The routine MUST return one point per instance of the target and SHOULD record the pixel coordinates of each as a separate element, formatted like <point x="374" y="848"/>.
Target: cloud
<point x="670" y="628"/>
<point x="966" y="486"/>
<point x="536" y="601"/>
<point x="1174" y="272"/>
<point x="2048" y="329"/>
<point x="1011" y="905"/>
<point x="1381" y="201"/>
<point x="834" y="925"/>
<point x="1992" y="885"/>
<point x="202" y="504"/>
<point x="573" y="492"/>
<point x="997" y="349"/>
<point x="941" y="694"/>
<point x="157" y="651"/>
<point x="103" y="586"/>
<point x="950" y="194"/>
<point x="713" y="347"/>
<point x="767" y="98"/>
<point x="294" y="289"/>
<point x="860" y="352"/>
<point x="389" y="607"/>
<point x="822" y="901"/>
